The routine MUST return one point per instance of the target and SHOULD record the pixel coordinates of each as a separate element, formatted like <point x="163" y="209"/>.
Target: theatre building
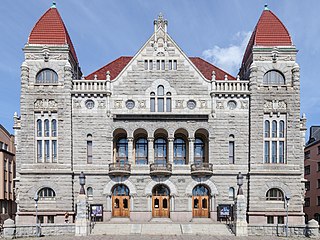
<point x="159" y="134"/>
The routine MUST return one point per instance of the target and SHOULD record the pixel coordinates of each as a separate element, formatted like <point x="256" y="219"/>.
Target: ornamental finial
<point x="54" y="5"/>
<point x="266" y="7"/>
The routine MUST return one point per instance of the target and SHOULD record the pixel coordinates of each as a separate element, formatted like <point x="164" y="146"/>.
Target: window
<point x="317" y="217"/>
<point x="46" y="194"/>
<point x="145" y="64"/>
<point x="179" y="151"/>
<point x="162" y="65"/>
<point x="90" y="193"/>
<point x="318" y="149"/>
<point x="160" y="151"/>
<point x="318" y="200"/>
<point x="318" y="166"/>
<point x="199" y="153"/>
<point x="274" y="194"/>
<point x="307" y="185"/>
<point x="39" y="128"/>
<point x="231" y="152"/>
<point x="141" y="151"/>
<point x="318" y="183"/>
<point x="46" y="128"/>
<point x="89" y="150"/>
<point x="274" y="139"/>
<point x="175" y="65"/>
<point x="152" y="102"/>
<point x="170" y="64"/>
<point x="280" y="219"/>
<point x="273" y="77"/>
<point x="50" y="219"/>
<point x="150" y="64"/>
<point x="270" y="220"/>
<point x="231" y="193"/>
<point x="54" y="128"/>
<point x="122" y="151"/>
<point x="307" y="170"/>
<point x="307" y="154"/>
<point x="161" y="102"/>
<point x="47" y="76"/>
<point x="158" y="64"/>
<point x="40" y="219"/>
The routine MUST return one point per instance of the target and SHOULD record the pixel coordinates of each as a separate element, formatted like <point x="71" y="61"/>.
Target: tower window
<point x="273" y="77"/>
<point x="47" y="76"/>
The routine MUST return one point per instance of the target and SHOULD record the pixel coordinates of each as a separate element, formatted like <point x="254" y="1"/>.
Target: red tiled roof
<point x="269" y="31"/>
<point x="50" y="30"/>
<point x="116" y="66"/>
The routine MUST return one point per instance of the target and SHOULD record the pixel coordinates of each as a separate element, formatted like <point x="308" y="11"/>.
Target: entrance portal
<point x="200" y="202"/>
<point x="160" y="201"/>
<point x="120" y="201"/>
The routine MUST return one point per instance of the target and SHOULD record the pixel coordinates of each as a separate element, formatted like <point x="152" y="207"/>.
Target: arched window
<point x="267" y="129"/>
<point x="47" y="76"/>
<point x="281" y="129"/>
<point x="54" y="128"/>
<point x="160" y="190"/>
<point x="89" y="148"/>
<point x="46" y="193"/>
<point x="179" y="151"/>
<point x="46" y="128"/>
<point x="160" y="102"/>
<point x="200" y="190"/>
<point x="39" y="128"/>
<point x="141" y="151"/>
<point x="89" y="192"/>
<point x="273" y="77"/>
<point x="120" y="190"/>
<point x="122" y="151"/>
<point x="199" y="151"/>
<point x="160" y="151"/>
<point x="274" y="128"/>
<point x="231" y="193"/>
<point x="274" y="194"/>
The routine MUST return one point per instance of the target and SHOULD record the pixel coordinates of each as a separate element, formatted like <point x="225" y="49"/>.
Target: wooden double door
<point x="120" y="206"/>
<point x="201" y="206"/>
<point x="160" y="206"/>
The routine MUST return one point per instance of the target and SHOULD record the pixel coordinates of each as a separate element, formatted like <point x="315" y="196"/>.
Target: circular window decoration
<point x="232" y="105"/>
<point x="191" y="104"/>
<point x="130" y="104"/>
<point x="89" y="104"/>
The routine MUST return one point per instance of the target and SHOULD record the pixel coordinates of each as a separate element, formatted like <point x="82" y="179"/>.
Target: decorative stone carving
<point x="30" y="56"/>
<point x="191" y="104"/>
<point x="219" y="105"/>
<point x="130" y="104"/>
<point x="118" y="104"/>
<point x="45" y="104"/>
<point x="77" y="103"/>
<point x="142" y="104"/>
<point x="89" y="104"/>
<point x="274" y="105"/>
<point x="203" y="103"/>
<point x="244" y="104"/>
<point x="101" y="104"/>
<point x="179" y="104"/>
<point x="232" y="105"/>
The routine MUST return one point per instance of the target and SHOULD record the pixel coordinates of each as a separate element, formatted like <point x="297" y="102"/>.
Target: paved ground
<point x="147" y="237"/>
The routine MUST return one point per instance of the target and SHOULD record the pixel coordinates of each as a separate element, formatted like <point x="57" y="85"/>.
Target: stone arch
<point x="108" y="188"/>
<point x="212" y="187"/>
<point x="281" y="186"/>
<point x="168" y="183"/>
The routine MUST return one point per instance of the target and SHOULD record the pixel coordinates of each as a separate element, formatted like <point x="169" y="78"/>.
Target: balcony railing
<point x="202" y="169"/>
<point x="160" y="169"/>
<point x="119" y="169"/>
<point x="231" y="87"/>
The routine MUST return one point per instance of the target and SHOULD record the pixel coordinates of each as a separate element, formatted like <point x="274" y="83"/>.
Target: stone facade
<point x="226" y="114"/>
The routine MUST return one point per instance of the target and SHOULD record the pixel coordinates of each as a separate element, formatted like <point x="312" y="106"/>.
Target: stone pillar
<point x="191" y="150"/>
<point x="130" y="150"/>
<point x="241" y="225"/>
<point x="150" y="150"/>
<point x="9" y="229"/>
<point x="82" y="218"/>
<point x="312" y="229"/>
<point x="170" y="150"/>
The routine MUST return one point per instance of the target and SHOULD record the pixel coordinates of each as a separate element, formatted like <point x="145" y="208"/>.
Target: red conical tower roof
<point x="50" y="30"/>
<point x="268" y="32"/>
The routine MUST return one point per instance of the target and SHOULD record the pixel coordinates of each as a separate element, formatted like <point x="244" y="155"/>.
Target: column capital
<point x="150" y="139"/>
<point x="130" y="139"/>
<point x="170" y="139"/>
<point x="191" y="139"/>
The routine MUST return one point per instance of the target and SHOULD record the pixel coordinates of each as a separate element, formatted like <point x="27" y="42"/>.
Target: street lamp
<point x="240" y="183"/>
<point x="36" y="199"/>
<point x="82" y="180"/>
<point x="287" y="198"/>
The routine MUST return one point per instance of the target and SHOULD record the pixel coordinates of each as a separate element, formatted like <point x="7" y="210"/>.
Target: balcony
<point x="119" y="169"/>
<point x="201" y="169"/>
<point x="164" y="169"/>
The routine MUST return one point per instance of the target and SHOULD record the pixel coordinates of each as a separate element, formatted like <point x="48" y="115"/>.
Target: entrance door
<point x="160" y="201"/>
<point x="200" y="202"/>
<point x="120" y="201"/>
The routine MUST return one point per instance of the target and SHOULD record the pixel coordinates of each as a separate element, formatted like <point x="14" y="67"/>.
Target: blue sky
<point x="216" y="30"/>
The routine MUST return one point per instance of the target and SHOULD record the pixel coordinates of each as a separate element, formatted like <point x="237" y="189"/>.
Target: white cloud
<point x="229" y="58"/>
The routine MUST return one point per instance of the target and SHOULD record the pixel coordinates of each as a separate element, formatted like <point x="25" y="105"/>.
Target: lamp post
<point x="240" y="183"/>
<point x="82" y="180"/>
<point x="36" y="198"/>
<point x="287" y="198"/>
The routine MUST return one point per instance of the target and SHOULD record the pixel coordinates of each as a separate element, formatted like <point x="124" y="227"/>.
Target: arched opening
<point x="160" y="147"/>
<point x="181" y="147"/>
<point x="201" y="147"/>
<point x="160" y="201"/>
<point x="120" y="147"/>
<point x="274" y="194"/>
<point x="47" y="76"/>
<point x="273" y="77"/>
<point x="140" y="147"/>
<point x="46" y="193"/>
<point x="120" y="201"/>
<point x="200" y="201"/>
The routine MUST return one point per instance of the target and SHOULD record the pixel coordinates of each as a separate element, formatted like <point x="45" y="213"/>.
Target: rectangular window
<point x="152" y="105"/>
<point x="40" y="219"/>
<point x="318" y="200"/>
<point x="175" y="65"/>
<point x="150" y="64"/>
<point x="307" y="186"/>
<point x="89" y="151"/>
<point x="307" y="202"/>
<point x="54" y="150"/>
<point x="170" y="64"/>
<point x="160" y="105"/>
<point x="280" y="219"/>
<point x="270" y="220"/>
<point x="47" y="150"/>
<point x="266" y="151"/>
<point x="231" y="152"/>
<point x="307" y="170"/>
<point x="318" y="149"/>
<point x="168" y="104"/>
<point x="162" y="65"/>
<point x="39" y="150"/>
<point x="5" y="165"/>
<point x="281" y="151"/>
<point x="145" y="64"/>
<point x="50" y="219"/>
<point x="318" y="185"/>
<point x="158" y="64"/>
<point x="274" y="152"/>
<point x="307" y="154"/>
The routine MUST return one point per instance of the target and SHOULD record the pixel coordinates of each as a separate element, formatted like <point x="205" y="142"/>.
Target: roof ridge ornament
<point x="159" y="42"/>
<point x="54" y="4"/>
<point x="266" y="7"/>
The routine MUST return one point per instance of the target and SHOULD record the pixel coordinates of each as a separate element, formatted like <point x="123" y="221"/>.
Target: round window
<point x="232" y="105"/>
<point x="191" y="104"/>
<point x="89" y="104"/>
<point x="130" y="104"/>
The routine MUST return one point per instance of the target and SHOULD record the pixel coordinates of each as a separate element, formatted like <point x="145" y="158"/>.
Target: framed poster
<point x="96" y="212"/>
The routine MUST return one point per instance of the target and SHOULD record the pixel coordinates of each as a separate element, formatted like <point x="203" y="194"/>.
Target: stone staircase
<point x="162" y="228"/>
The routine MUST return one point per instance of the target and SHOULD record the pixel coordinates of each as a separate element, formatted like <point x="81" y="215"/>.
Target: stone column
<point x="150" y="150"/>
<point x="82" y="218"/>
<point x="170" y="150"/>
<point x="110" y="148"/>
<point x="130" y="150"/>
<point x="312" y="229"/>
<point x="191" y="150"/>
<point x="241" y="225"/>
